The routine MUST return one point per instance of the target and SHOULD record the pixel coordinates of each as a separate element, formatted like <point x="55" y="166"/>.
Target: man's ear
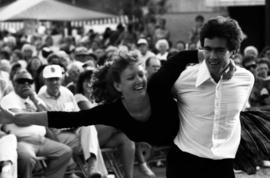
<point x="117" y="86"/>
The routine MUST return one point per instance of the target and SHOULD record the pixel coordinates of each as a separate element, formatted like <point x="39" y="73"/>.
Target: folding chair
<point x="112" y="163"/>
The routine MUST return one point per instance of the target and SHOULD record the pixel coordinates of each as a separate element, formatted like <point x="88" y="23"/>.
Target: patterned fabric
<point x="255" y="140"/>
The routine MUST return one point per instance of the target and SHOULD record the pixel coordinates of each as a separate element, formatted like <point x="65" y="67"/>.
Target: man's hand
<point x="32" y="94"/>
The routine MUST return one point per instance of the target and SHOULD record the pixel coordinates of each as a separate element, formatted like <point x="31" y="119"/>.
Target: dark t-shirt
<point x="163" y="124"/>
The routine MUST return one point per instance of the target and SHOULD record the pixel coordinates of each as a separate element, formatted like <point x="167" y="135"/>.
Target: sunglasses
<point x="24" y="81"/>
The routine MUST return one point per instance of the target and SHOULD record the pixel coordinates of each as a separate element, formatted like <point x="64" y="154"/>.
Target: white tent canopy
<point x="47" y="10"/>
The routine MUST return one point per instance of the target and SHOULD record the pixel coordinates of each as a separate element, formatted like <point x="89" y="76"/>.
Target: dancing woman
<point x="143" y="112"/>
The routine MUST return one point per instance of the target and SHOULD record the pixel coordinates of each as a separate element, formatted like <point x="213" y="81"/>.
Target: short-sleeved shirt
<point x="65" y="102"/>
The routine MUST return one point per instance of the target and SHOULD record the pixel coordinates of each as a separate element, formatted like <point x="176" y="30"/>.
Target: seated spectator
<point x="16" y="55"/>
<point x="82" y="54"/>
<point x="144" y="51"/>
<point x="262" y="69"/>
<point x="54" y="58"/>
<point x="31" y="139"/>
<point x="83" y="97"/>
<point x="162" y="46"/>
<point x="180" y="45"/>
<point x="28" y="51"/>
<point x="152" y="65"/>
<point x="73" y="71"/>
<point x="59" y="98"/>
<point x="33" y="65"/>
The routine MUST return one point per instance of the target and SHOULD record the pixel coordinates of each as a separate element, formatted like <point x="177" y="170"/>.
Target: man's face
<point x="143" y="48"/>
<point x="154" y="66"/>
<point x="27" y="53"/>
<point x="217" y="56"/>
<point x="262" y="70"/>
<point x="22" y="85"/>
<point x="180" y="46"/>
<point x="53" y="86"/>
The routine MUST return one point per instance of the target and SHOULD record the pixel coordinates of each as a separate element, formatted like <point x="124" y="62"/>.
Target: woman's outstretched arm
<point x="24" y="118"/>
<point x="101" y="114"/>
<point x="31" y="118"/>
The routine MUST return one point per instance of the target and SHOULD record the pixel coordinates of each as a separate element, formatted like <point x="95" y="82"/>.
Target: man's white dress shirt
<point x="210" y="125"/>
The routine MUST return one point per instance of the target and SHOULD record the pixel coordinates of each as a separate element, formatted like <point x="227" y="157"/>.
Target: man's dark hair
<point x="223" y="27"/>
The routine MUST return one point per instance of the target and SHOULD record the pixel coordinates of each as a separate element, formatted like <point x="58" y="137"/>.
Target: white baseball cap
<point x="142" y="41"/>
<point x="52" y="71"/>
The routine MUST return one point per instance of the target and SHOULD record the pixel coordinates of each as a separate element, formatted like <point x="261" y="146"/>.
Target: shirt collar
<point x="203" y="74"/>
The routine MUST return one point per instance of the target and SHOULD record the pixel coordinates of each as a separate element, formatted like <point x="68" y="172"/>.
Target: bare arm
<point x="23" y="118"/>
<point x="35" y="118"/>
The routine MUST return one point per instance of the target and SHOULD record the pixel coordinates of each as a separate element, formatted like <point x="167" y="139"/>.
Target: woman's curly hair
<point x="106" y="75"/>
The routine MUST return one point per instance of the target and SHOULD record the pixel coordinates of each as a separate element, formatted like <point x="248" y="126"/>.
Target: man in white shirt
<point x="60" y="98"/>
<point x="31" y="139"/>
<point x="144" y="52"/>
<point x="209" y="106"/>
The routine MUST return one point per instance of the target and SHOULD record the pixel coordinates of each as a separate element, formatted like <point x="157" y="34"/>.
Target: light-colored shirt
<point x="65" y="102"/>
<point x="14" y="101"/>
<point x="210" y="125"/>
<point x="162" y="57"/>
<point x="142" y="58"/>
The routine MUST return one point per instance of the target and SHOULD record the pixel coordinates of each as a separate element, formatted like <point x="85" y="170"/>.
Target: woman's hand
<point x="6" y="116"/>
<point x="228" y="72"/>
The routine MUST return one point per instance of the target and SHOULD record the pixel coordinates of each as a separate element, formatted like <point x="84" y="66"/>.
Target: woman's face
<point x="162" y="48"/>
<point x="133" y="82"/>
<point x="87" y="86"/>
<point x="36" y="63"/>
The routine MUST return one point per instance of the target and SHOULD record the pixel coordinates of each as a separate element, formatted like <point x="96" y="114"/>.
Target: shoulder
<point x="42" y="90"/>
<point x="191" y="70"/>
<point x="242" y="72"/>
<point x="65" y="91"/>
<point x="12" y="96"/>
<point x="79" y="97"/>
<point x="11" y="100"/>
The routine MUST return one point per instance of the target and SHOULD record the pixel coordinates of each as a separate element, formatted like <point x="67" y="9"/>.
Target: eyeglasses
<point x="22" y="81"/>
